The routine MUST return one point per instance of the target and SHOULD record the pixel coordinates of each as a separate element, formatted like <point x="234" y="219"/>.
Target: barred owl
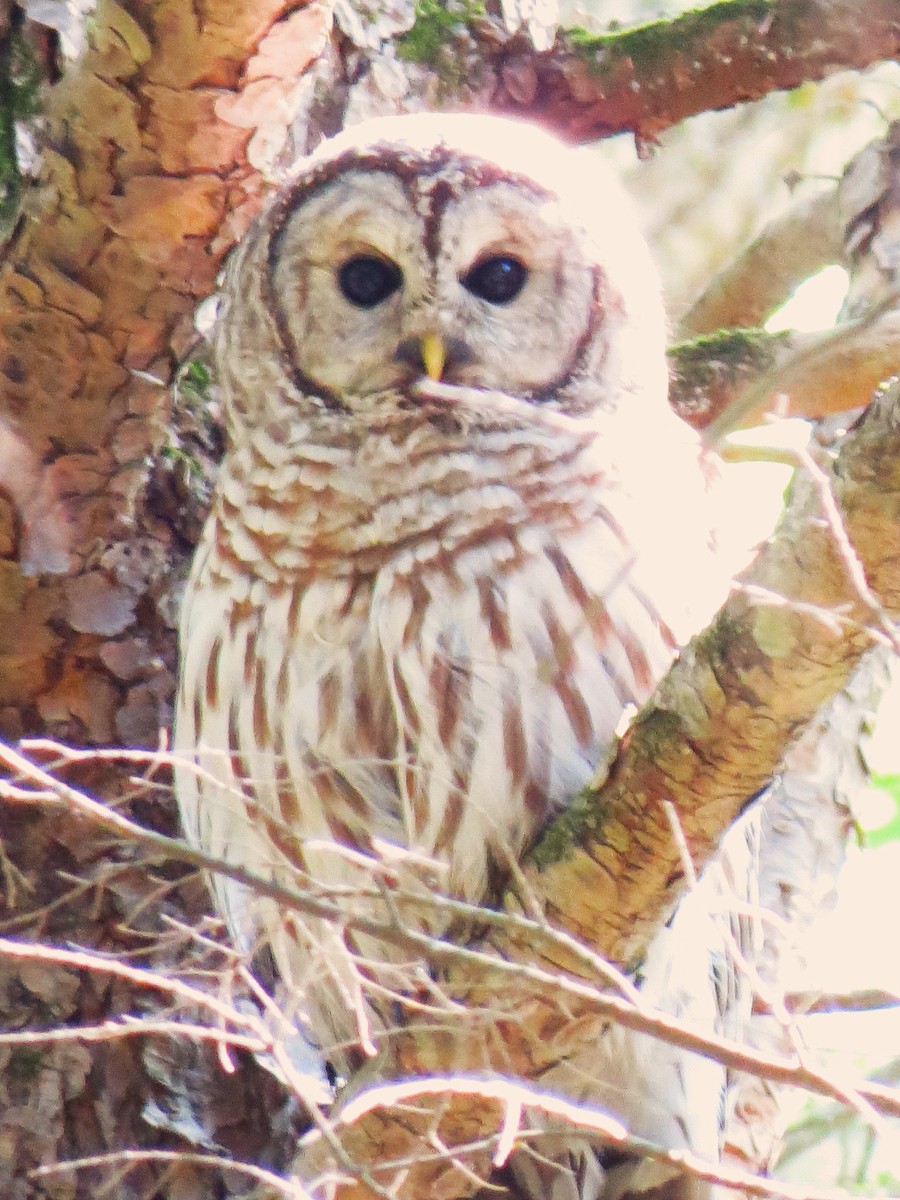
<point x="456" y="534"/>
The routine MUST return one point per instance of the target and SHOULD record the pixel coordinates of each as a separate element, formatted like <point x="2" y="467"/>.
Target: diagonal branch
<point x="719" y="724"/>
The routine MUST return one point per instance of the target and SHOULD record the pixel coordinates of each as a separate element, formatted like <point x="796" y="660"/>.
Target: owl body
<point x="453" y="533"/>
<point x="440" y="674"/>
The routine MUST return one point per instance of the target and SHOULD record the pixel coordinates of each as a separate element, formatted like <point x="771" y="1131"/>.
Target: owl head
<point x="474" y="250"/>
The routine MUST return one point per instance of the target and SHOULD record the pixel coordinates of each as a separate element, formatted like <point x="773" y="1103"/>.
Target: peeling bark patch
<point x="95" y="605"/>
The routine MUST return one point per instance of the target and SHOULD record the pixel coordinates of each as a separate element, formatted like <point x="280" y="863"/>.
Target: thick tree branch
<point x="734" y="377"/>
<point x="649" y="78"/>
<point x="720" y="722"/>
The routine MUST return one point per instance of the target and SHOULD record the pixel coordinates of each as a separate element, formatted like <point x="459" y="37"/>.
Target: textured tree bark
<point x="145" y="184"/>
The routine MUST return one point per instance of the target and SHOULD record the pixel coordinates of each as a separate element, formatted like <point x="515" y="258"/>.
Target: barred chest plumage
<point x="434" y="659"/>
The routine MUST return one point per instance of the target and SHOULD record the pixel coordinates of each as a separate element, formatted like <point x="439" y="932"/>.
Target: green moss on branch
<point x="656" y="41"/>
<point x="436" y="27"/>
<point x="708" y="371"/>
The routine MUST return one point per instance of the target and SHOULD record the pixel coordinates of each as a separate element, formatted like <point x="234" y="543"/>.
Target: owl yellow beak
<point x="434" y="355"/>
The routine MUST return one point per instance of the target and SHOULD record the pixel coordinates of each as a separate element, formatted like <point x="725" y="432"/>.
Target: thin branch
<point x="735" y="377"/>
<point x="135" y="1027"/>
<point x="633" y="1014"/>
<point x="83" y="960"/>
<point x="323" y="902"/>
<point x="813" y="1003"/>
<point x="810" y="375"/>
<point x="290" y="1188"/>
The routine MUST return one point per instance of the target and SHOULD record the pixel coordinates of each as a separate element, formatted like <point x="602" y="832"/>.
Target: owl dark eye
<point x="366" y="280"/>
<point x="497" y="280"/>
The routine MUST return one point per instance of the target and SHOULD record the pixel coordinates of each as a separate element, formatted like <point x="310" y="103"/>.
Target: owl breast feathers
<point x="453" y="533"/>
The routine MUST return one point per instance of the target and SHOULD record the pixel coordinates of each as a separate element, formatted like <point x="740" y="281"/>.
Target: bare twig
<point x="82" y="960"/>
<point x="133" y="1027"/>
<point x="640" y="1017"/>
<point x="287" y="1187"/>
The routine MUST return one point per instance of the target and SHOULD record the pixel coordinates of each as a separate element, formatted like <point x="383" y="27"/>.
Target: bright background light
<point x="814" y="305"/>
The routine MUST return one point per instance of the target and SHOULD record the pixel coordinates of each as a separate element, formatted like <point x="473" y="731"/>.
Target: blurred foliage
<point x="889" y="831"/>
<point x="838" y="1146"/>
<point x="194" y="381"/>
